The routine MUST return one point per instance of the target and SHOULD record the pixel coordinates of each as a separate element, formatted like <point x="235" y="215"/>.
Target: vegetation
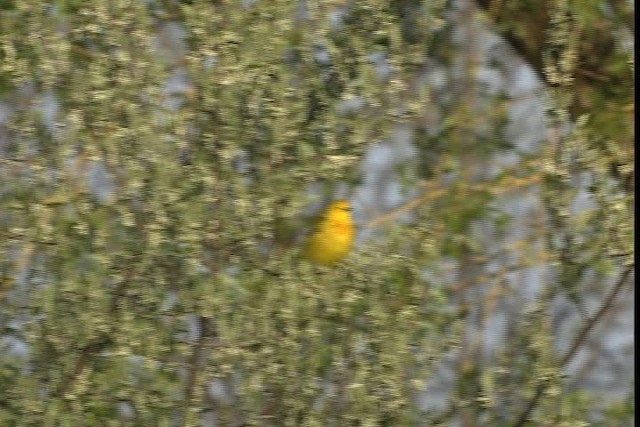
<point x="142" y="277"/>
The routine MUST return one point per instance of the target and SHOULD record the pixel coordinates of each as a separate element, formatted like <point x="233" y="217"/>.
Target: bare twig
<point x="97" y="345"/>
<point x="604" y="308"/>
<point x="431" y="192"/>
<point x="196" y="358"/>
<point x="85" y="354"/>
<point x="579" y="341"/>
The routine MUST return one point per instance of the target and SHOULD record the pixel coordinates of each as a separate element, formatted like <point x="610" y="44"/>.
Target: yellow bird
<point x="332" y="238"/>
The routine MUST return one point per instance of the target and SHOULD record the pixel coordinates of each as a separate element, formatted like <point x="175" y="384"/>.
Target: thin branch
<point x="195" y="359"/>
<point x="604" y="308"/>
<point x="96" y="345"/>
<point x="606" y="305"/>
<point x="85" y="353"/>
<point x="509" y="184"/>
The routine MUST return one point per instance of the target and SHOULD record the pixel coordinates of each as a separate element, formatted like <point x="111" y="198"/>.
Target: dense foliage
<point x="154" y="151"/>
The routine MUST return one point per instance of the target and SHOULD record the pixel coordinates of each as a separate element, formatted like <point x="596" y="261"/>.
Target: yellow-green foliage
<point x="146" y="295"/>
<point x="130" y="303"/>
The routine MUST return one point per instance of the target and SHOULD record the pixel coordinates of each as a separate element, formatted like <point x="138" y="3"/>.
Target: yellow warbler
<point x="333" y="236"/>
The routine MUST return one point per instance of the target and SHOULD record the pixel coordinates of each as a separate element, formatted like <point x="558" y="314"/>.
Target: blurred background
<point x="161" y="163"/>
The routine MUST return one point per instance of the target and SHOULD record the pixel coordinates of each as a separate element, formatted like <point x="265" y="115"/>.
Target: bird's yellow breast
<point x="333" y="237"/>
